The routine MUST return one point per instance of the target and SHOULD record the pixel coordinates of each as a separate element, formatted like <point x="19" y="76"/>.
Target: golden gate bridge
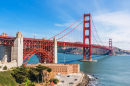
<point x="45" y="49"/>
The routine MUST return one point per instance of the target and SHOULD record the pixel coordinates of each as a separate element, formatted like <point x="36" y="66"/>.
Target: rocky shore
<point x="85" y="81"/>
<point x="88" y="80"/>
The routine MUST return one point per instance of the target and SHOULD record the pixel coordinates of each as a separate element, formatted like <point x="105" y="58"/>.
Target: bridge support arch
<point x="19" y="50"/>
<point x="45" y="50"/>
<point x="43" y="56"/>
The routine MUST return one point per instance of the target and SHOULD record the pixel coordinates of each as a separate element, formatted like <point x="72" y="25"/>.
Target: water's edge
<point x="110" y="70"/>
<point x="88" y="80"/>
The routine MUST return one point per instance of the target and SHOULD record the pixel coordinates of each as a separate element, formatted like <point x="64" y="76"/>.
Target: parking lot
<point x="68" y="80"/>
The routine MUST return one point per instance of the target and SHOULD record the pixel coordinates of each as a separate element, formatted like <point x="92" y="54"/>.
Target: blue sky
<point x="45" y="18"/>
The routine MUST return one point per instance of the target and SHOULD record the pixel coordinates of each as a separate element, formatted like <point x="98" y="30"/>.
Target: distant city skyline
<point x="45" y="18"/>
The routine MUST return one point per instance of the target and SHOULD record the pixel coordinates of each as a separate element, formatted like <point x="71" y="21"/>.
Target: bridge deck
<point x="7" y="40"/>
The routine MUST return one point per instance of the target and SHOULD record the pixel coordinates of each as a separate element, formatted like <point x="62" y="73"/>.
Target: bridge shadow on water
<point x="70" y="61"/>
<point x="105" y="57"/>
<point x="98" y="56"/>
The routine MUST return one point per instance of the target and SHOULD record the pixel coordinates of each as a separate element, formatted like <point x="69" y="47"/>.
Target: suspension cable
<point x="66" y="28"/>
<point x="96" y="31"/>
<point x="95" y="38"/>
<point x="71" y="30"/>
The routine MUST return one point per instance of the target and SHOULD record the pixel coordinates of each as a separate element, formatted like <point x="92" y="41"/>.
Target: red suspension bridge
<point x="45" y="49"/>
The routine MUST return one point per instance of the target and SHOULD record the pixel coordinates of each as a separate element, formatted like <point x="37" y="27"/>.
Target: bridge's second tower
<point x="110" y="47"/>
<point x="87" y="35"/>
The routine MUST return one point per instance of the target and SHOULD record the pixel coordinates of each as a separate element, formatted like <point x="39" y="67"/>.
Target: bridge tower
<point x="87" y="28"/>
<point x="17" y="49"/>
<point x="110" y="46"/>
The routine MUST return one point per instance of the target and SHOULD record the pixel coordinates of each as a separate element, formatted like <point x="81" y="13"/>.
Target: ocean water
<point x="110" y="70"/>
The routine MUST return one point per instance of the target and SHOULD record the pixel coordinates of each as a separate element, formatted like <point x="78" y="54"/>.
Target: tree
<point x="20" y="73"/>
<point x="55" y="80"/>
<point x="40" y="69"/>
<point x="49" y="70"/>
<point x="24" y="73"/>
<point x="51" y="80"/>
<point x="33" y="74"/>
<point x="26" y="82"/>
<point x="31" y="84"/>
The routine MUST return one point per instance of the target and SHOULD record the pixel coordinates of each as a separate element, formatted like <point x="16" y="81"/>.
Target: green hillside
<point x="6" y="79"/>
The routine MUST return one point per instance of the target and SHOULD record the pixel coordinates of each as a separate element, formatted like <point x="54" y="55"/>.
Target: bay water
<point x="110" y="70"/>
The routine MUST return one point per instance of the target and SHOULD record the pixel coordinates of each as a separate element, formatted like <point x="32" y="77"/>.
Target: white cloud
<point x="58" y="24"/>
<point x="119" y="18"/>
<point x="115" y="25"/>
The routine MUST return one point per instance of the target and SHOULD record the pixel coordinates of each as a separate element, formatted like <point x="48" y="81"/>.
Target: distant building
<point x="60" y="67"/>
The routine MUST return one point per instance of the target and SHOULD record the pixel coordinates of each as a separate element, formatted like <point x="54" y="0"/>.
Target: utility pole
<point x="64" y="59"/>
<point x="34" y="36"/>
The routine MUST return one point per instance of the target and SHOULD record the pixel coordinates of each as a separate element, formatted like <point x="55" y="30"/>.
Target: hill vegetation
<point x="25" y="76"/>
<point x="6" y="79"/>
<point x="78" y="50"/>
<point x="95" y="51"/>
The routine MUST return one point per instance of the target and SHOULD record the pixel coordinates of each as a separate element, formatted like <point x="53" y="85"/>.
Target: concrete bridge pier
<point x="5" y="52"/>
<point x="12" y="55"/>
<point x="17" y="49"/>
<point x="55" y="50"/>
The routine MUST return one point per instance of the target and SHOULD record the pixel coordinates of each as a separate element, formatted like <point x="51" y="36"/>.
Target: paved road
<point x="67" y="80"/>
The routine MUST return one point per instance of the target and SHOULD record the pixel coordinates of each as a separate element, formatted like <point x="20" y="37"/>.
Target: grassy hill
<point x="6" y="79"/>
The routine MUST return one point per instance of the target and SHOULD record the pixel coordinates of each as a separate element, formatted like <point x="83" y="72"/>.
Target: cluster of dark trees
<point x="54" y="80"/>
<point x="23" y="73"/>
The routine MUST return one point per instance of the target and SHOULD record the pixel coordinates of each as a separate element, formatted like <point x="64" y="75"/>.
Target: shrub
<point x="26" y="82"/>
<point x="31" y="84"/>
<point x="49" y="69"/>
<point x="5" y="68"/>
<point x="12" y="68"/>
<point x="20" y="73"/>
<point x="51" y="80"/>
<point x="55" y="80"/>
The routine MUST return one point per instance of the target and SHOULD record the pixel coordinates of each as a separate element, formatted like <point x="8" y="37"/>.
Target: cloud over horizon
<point x="118" y="24"/>
<point x="45" y="19"/>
